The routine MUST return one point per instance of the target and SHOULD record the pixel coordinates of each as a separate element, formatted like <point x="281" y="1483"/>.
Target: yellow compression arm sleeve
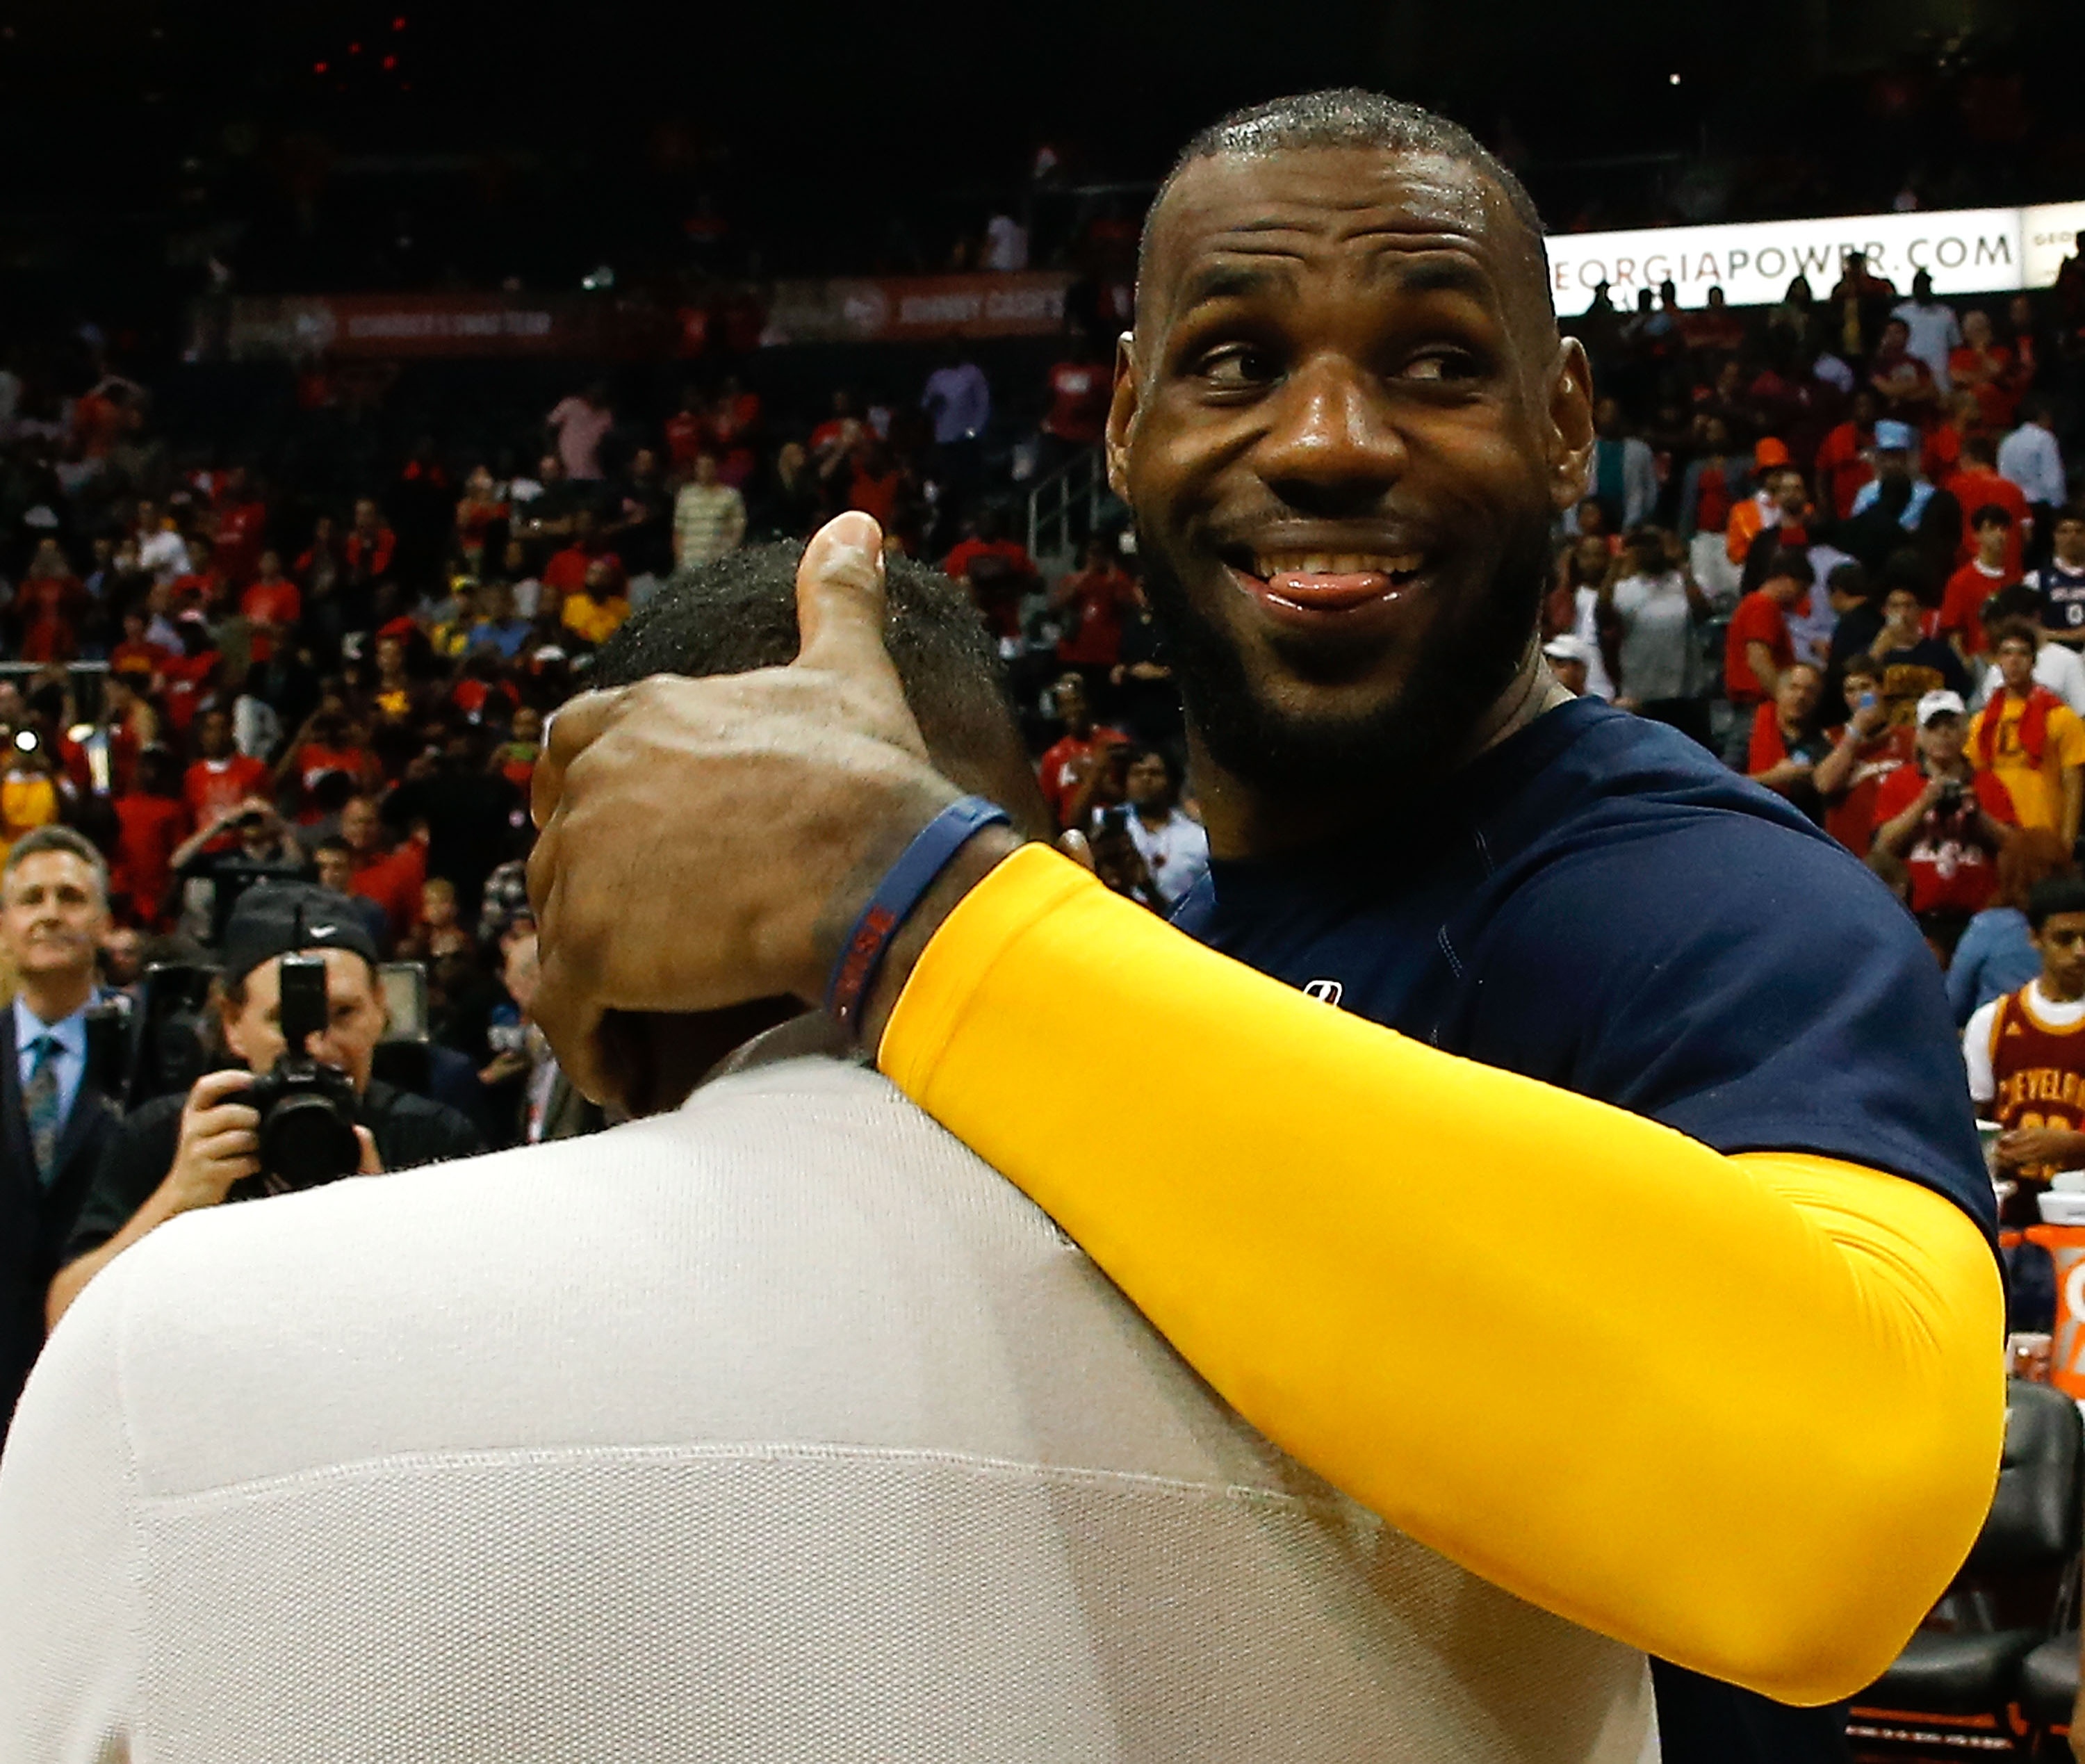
<point x="1743" y="1413"/>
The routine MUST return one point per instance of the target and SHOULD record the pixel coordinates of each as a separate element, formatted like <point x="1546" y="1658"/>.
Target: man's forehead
<point x="1307" y="197"/>
<point x="45" y="868"/>
<point x="1303" y="203"/>
<point x="1427" y="187"/>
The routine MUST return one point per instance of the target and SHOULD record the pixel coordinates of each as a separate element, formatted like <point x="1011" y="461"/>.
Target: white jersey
<point x="776" y="1429"/>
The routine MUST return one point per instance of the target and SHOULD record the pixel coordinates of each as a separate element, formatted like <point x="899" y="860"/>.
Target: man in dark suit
<point x="53" y="1122"/>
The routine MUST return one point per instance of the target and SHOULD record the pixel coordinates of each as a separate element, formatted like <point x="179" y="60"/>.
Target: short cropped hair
<point x="1991" y="514"/>
<point x="57" y="838"/>
<point x="2059" y="894"/>
<point x="2016" y="629"/>
<point x="1348" y="116"/>
<point x="1847" y="578"/>
<point x="739" y="613"/>
<point x="2017" y="604"/>
<point x="1793" y="564"/>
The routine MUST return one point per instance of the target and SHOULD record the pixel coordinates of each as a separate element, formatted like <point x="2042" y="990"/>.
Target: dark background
<point x="150" y="151"/>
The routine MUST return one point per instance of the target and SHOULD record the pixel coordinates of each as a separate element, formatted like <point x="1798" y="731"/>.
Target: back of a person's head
<point x="2059" y="894"/>
<point x="1790" y="564"/>
<point x="1849" y="578"/>
<point x="2031" y="856"/>
<point x="2016" y="605"/>
<point x="739" y="613"/>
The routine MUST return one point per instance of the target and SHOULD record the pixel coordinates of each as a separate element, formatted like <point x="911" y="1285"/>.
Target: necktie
<point x="40" y="1101"/>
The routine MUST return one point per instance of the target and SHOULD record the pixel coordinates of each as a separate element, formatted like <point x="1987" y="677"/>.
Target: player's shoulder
<point x="561" y="1226"/>
<point x="1630" y="827"/>
<point x="1977" y="1030"/>
<point x="1596" y="771"/>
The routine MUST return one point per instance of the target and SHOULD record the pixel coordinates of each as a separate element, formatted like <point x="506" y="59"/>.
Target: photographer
<point x="1945" y="822"/>
<point x="177" y="1153"/>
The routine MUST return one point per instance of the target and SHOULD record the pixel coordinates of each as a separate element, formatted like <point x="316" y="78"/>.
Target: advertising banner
<point x="1969" y="251"/>
<point x="916" y="308"/>
<point x="393" y="326"/>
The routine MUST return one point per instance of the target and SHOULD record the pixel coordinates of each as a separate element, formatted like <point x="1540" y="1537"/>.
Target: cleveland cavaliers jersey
<point x="2037" y="1069"/>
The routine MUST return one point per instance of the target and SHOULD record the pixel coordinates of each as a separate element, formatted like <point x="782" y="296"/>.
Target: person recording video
<point x="266" y="851"/>
<point x="298" y="959"/>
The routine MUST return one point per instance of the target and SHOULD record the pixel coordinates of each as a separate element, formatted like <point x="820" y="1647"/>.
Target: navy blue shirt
<point x="1598" y="903"/>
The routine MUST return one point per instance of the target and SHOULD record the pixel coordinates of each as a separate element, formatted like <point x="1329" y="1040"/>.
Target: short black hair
<point x="739" y="613"/>
<point x="1990" y="514"/>
<point x="1847" y="578"/>
<point x="2016" y="630"/>
<point x="2059" y="894"/>
<point x="2018" y="603"/>
<point x="1791" y="563"/>
<point x="1349" y="117"/>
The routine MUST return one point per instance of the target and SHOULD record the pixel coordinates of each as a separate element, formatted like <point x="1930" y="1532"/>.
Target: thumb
<point x="839" y="600"/>
<point x="371" y="1164"/>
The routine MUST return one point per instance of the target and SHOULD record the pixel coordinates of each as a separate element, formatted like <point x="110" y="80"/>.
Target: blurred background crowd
<point x="276" y="599"/>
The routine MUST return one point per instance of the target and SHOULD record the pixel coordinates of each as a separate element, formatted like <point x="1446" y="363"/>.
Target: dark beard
<point x="1395" y="749"/>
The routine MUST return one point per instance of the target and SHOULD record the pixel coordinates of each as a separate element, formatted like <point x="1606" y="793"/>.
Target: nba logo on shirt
<point x="1325" y="992"/>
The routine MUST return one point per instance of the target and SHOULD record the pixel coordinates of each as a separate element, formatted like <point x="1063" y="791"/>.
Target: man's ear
<point x="235" y="1040"/>
<point x="1122" y="413"/>
<point x="1570" y="437"/>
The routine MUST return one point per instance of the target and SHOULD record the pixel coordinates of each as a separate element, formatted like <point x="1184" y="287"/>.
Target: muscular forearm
<point x="1293" y="1211"/>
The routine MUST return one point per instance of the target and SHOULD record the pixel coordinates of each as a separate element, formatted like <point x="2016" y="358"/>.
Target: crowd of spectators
<point x="1834" y="540"/>
<point x="222" y="677"/>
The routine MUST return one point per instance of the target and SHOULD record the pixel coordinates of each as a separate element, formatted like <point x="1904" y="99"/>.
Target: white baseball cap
<point x="1936" y="704"/>
<point x="1568" y="648"/>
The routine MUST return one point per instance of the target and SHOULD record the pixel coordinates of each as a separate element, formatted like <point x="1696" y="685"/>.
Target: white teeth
<point x="1336" y="563"/>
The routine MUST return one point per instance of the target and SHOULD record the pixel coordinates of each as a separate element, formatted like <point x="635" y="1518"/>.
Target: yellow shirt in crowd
<point x="594" y="621"/>
<point x="29" y="800"/>
<point x="2036" y="791"/>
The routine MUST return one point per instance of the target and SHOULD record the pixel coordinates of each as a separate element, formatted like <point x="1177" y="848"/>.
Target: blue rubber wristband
<point x="900" y="890"/>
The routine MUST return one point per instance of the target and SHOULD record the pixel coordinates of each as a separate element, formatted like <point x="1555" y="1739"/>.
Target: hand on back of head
<point x="703" y="841"/>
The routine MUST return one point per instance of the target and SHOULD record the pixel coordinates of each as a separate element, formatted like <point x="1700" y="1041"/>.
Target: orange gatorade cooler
<point x="2066" y="1244"/>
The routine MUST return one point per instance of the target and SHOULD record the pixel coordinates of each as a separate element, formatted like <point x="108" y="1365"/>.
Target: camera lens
<point x="307" y="1139"/>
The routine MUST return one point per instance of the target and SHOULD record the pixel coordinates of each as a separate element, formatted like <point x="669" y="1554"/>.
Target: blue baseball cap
<point x="1893" y="437"/>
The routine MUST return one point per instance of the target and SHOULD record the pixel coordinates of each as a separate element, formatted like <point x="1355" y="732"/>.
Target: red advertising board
<point x="916" y="308"/>
<point x="395" y="326"/>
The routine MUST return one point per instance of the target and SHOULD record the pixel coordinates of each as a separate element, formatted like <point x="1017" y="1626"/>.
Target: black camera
<point x="1953" y="791"/>
<point x="307" y="1108"/>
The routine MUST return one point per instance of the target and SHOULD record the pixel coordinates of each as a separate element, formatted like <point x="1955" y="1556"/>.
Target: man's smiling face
<point x="1345" y="423"/>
